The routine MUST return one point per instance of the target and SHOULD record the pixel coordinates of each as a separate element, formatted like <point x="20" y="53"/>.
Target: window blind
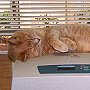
<point x="24" y="14"/>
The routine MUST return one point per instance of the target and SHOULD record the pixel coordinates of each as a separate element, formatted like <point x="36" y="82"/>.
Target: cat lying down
<point x="31" y="43"/>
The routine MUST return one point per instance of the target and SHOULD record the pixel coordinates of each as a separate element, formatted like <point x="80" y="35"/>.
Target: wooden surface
<point x="5" y="73"/>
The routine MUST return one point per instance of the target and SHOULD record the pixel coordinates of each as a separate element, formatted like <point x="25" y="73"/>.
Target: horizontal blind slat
<point x="42" y="21"/>
<point x="36" y="8"/>
<point x="48" y="12"/>
<point x="51" y="0"/>
<point x="6" y="34"/>
<point x="45" y="17"/>
<point x="34" y="0"/>
<point x="46" y="4"/>
<point x="43" y="24"/>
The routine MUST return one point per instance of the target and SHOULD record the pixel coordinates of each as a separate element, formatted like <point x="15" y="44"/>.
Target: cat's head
<point x="19" y="43"/>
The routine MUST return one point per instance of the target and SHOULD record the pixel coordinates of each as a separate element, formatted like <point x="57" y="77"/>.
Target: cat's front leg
<point x="53" y="39"/>
<point x="70" y="43"/>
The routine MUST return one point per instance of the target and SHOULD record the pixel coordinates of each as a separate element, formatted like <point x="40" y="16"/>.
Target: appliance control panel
<point x="65" y="68"/>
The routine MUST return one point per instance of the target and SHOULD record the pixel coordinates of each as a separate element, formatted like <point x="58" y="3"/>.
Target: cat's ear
<point x="13" y="40"/>
<point x="60" y="46"/>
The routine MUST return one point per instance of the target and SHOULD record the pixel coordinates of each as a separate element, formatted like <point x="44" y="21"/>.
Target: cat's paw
<point x="73" y="46"/>
<point x="61" y="47"/>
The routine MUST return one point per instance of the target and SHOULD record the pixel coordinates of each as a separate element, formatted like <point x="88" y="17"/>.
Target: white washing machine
<point x="53" y="72"/>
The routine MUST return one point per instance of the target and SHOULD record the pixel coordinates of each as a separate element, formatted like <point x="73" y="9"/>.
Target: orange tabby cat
<point x="26" y="44"/>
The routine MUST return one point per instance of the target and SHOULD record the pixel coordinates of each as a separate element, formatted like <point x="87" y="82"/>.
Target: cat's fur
<point x="26" y="44"/>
